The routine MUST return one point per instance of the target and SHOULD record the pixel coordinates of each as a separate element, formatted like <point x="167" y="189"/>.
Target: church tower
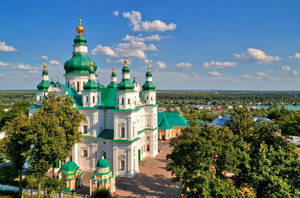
<point x="149" y="93"/>
<point x="43" y="85"/>
<point x="77" y="68"/>
<point x="126" y="97"/>
<point x="113" y="83"/>
<point x="91" y="94"/>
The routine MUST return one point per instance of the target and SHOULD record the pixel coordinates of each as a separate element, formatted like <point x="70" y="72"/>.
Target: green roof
<point x="126" y="69"/>
<point x="107" y="134"/>
<point x="112" y="85"/>
<point x="91" y="85"/>
<point x="79" y="64"/>
<point x="80" y="40"/>
<point x="173" y="118"/>
<point x="69" y="166"/>
<point x="164" y="124"/>
<point x="43" y="85"/>
<point x="149" y="86"/>
<point x="45" y="72"/>
<point x="102" y="163"/>
<point x="148" y="74"/>
<point x="125" y="85"/>
<point x="109" y="97"/>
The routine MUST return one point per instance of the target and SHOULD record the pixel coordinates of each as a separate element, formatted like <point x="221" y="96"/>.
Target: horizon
<point x="215" y="45"/>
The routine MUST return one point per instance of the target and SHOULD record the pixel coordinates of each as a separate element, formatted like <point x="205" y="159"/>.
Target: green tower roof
<point x="112" y="85"/>
<point x="79" y="64"/>
<point x="69" y="166"/>
<point x="43" y="85"/>
<point x="91" y="85"/>
<point x="102" y="163"/>
<point x="149" y="86"/>
<point x="126" y="85"/>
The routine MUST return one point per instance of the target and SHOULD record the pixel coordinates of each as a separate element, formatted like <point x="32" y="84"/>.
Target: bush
<point x="103" y="193"/>
<point x="8" y="174"/>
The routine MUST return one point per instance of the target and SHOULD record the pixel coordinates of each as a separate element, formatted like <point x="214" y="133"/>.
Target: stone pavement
<point x="152" y="181"/>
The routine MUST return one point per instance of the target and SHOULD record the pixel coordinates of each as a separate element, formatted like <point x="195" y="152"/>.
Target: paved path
<point x="152" y="181"/>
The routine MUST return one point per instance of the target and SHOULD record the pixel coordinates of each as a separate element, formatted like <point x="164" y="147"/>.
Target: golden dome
<point x="114" y="69"/>
<point x="80" y="28"/>
<point x="45" y="66"/>
<point x="91" y="65"/>
<point x="125" y="62"/>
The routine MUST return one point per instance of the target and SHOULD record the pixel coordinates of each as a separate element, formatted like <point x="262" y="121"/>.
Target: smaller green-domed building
<point x="103" y="177"/>
<point x="71" y="174"/>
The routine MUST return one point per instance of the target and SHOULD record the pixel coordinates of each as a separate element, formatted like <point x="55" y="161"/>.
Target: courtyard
<point x="153" y="180"/>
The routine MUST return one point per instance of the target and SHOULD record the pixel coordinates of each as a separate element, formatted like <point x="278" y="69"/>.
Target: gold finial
<point x="148" y="67"/>
<point x="134" y="77"/>
<point x="80" y="28"/>
<point x="125" y="62"/>
<point x="91" y="65"/>
<point x="44" y="66"/>
<point x="114" y="69"/>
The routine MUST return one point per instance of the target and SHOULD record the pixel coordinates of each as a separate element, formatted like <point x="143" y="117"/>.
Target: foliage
<point x="17" y="142"/>
<point x="56" y="129"/>
<point x="246" y="158"/>
<point x="9" y="194"/>
<point x="103" y="193"/>
<point x="7" y="175"/>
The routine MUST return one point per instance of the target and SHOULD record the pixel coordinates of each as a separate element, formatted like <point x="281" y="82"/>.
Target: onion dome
<point x="125" y="84"/>
<point x="69" y="167"/>
<point x="80" y="62"/>
<point x="44" y="84"/>
<point x="149" y="86"/>
<point x="113" y="83"/>
<point x="91" y="84"/>
<point x="102" y="163"/>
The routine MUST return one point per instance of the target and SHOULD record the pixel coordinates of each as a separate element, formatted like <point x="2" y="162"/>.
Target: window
<point x="128" y="101"/>
<point x="69" y="84"/>
<point x="93" y="99"/>
<point x="148" y="147"/>
<point x="78" y="86"/>
<point x="122" y="165"/>
<point x="85" y="129"/>
<point x="122" y="132"/>
<point x="87" y="99"/>
<point x="40" y="98"/>
<point x="104" y="154"/>
<point x="122" y="101"/>
<point x="133" y="131"/>
<point x="98" y="99"/>
<point x="84" y="153"/>
<point x="151" y="98"/>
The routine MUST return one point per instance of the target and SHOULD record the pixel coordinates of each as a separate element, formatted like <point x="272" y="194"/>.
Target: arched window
<point x="122" y="101"/>
<point x="151" y="98"/>
<point x="93" y="99"/>
<point x="122" y="135"/>
<point x="128" y="101"/>
<point x="87" y="99"/>
<point x="78" y="86"/>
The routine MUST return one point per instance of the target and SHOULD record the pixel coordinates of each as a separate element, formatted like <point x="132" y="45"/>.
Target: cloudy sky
<point x="194" y="45"/>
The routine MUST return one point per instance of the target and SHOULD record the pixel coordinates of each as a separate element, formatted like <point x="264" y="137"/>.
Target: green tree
<point x="102" y="193"/>
<point x="17" y="142"/>
<point x="56" y="129"/>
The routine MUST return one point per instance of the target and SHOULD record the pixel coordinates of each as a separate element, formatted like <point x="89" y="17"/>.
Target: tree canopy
<point x="245" y="158"/>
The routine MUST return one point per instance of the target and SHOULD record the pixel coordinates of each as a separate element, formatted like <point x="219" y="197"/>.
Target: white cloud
<point x="6" y="48"/>
<point x="23" y="67"/>
<point x="247" y="76"/>
<point x="296" y="56"/>
<point x="54" y="62"/>
<point x="116" y="13"/>
<point x="295" y="73"/>
<point x="138" y="24"/>
<point x="255" y="56"/>
<point x="161" y="64"/>
<point x="184" y="65"/>
<point x="214" y="73"/>
<point x="153" y="37"/>
<point x="104" y="50"/>
<point x="218" y="64"/>
<point x="1" y="75"/>
<point x="44" y="58"/>
<point x="3" y="64"/>
<point x="285" y="68"/>
<point x="262" y="74"/>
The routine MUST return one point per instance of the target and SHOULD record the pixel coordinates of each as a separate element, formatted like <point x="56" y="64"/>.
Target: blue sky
<point x="189" y="44"/>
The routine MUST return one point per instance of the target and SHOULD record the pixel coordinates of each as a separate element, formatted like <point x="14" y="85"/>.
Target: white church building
<point x="121" y="118"/>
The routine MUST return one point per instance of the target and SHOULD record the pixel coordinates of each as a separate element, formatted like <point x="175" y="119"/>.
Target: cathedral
<point x="121" y="120"/>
